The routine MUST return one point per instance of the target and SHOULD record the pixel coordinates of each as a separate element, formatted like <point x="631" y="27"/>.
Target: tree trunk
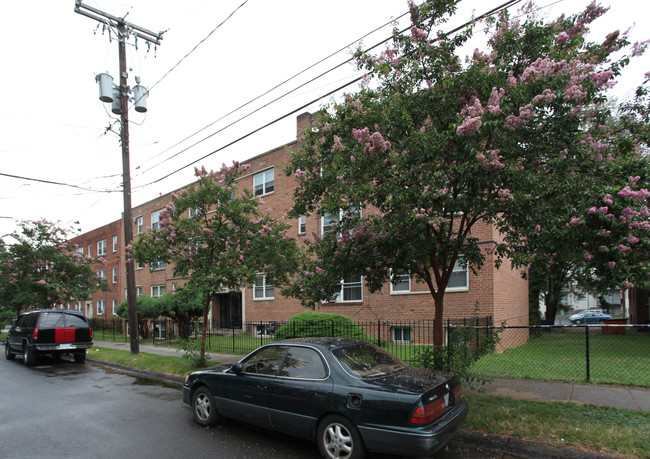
<point x="206" y="308"/>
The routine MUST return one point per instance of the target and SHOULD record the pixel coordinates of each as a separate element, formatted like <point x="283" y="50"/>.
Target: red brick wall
<point x="501" y="293"/>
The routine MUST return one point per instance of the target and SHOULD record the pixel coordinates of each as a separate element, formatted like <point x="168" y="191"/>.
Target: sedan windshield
<point x="365" y="360"/>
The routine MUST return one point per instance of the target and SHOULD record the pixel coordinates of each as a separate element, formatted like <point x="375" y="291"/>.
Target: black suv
<point x="54" y="332"/>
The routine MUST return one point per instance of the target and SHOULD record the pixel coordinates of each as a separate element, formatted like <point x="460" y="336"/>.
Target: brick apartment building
<point x="500" y="293"/>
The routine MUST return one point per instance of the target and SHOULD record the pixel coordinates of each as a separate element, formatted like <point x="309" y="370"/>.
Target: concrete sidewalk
<point x="525" y="389"/>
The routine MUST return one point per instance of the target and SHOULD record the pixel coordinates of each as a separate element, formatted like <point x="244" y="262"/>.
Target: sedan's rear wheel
<point x="205" y="413"/>
<point x="8" y="354"/>
<point x="29" y="356"/>
<point x="338" y="438"/>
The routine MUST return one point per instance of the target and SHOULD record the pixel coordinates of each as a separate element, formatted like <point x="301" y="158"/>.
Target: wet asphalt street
<point x="64" y="410"/>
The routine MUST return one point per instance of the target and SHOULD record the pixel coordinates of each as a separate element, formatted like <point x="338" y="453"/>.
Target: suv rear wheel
<point x="80" y="357"/>
<point x="8" y="354"/>
<point x="29" y="356"/>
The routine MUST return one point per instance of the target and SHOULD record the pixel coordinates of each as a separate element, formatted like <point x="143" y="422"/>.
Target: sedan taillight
<point x="424" y="414"/>
<point x="458" y="393"/>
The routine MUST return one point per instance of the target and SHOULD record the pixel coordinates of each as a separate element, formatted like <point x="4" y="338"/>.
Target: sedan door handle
<point x="320" y="395"/>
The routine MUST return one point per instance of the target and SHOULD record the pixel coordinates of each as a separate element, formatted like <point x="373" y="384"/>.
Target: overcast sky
<point x="54" y="128"/>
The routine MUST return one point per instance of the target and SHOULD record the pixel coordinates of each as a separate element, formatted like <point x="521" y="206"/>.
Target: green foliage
<point x="192" y="351"/>
<point x="461" y="352"/>
<point x="217" y="239"/>
<point x="311" y="324"/>
<point x="184" y="307"/>
<point x="40" y="269"/>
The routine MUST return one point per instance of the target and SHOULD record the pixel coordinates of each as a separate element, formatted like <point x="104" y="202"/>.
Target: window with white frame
<point x="114" y="244"/>
<point x="90" y="252"/>
<point x="139" y="224"/>
<point x="157" y="265"/>
<point x="114" y="275"/>
<point x="264" y="182"/>
<point x="101" y="307"/>
<point x="158" y="291"/>
<point x="114" y="307"/>
<point x="329" y="219"/>
<point x="195" y="212"/>
<point x="155" y="219"/>
<point x="137" y="265"/>
<point x="459" y="280"/>
<point x="401" y="334"/>
<point x="138" y="291"/>
<point x="400" y="281"/>
<point x="101" y="247"/>
<point x="80" y="250"/>
<point x="351" y="289"/>
<point x="101" y="273"/>
<point x="302" y="224"/>
<point x="263" y="288"/>
<point x="79" y="306"/>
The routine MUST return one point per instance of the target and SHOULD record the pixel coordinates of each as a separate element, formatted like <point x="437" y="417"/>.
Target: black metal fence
<point x="602" y="353"/>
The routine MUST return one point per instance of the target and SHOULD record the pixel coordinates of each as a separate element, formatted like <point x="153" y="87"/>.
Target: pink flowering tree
<point x="433" y="146"/>
<point x="39" y="268"/>
<point x="218" y="240"/>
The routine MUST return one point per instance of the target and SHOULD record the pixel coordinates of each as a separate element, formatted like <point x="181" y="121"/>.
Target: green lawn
<point x="613" y="359"/>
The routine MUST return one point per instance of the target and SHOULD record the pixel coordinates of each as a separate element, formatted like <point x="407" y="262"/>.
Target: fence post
<point x="587" y="351"/>
<point x="379" y="333"/>
<point x="261" y="330"/>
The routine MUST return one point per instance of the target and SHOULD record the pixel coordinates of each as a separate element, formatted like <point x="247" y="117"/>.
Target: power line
<point x="456" y="29"/>
<point x="50" y="182"/>
<point x="264" y="94"/>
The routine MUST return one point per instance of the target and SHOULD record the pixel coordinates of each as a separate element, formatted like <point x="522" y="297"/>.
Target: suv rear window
<point x="59" y="320"/>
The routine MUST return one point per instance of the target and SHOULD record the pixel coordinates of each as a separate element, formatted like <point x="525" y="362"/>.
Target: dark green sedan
<point x="348" y="395"/>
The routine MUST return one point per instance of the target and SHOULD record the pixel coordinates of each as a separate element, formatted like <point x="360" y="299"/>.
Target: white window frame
<point x="157" y="265"/>
<point x="401" y="277"/>
<point x="90" y="250"/>
<point x="457" y="270"/>
<point x="264" y="288"/>
<point x="401" y="339"/>
<point x="158" y="290"/>
<point x="79" y="306"/>
<point x="302" y="224"/>
<point x="101" y="273"/>
<point x="114" y="307"/>
<point x="101" y="307"/>
<point x="101" y="247"/>
<point x="139" y="224"/>
<point x="155" y="219"/>
<point x="80" y="250"/>
<point x="264" y="182"/>
<point x="114" y="244"/>
<point x="114" y="275"/>
<point x="332" y="217"/>
<point x="340" y="296"/>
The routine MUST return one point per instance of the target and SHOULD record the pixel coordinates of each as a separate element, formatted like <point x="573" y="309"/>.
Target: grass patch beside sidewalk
<point x="177" y="366"/>
<point x="607" y="430"/>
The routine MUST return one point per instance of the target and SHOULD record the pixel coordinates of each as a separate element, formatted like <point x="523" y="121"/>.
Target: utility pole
<point x="124" y="28"/>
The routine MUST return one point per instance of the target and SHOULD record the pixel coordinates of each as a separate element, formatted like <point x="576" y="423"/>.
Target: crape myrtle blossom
<point x="495" y="132"/>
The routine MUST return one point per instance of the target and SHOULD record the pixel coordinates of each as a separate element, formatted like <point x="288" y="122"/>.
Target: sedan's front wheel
<point x="205" y="413"/>
<point x="338" y="438"/>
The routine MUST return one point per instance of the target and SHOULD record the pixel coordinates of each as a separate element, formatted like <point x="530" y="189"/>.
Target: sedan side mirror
<point x="236" y="368"/>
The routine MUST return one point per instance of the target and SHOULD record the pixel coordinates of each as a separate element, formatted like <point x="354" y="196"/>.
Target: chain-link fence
<point x="602" y="353"/>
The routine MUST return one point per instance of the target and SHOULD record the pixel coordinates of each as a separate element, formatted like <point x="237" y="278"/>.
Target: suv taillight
<point x="91" y="332"/>
<point x="36" y="333"/>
